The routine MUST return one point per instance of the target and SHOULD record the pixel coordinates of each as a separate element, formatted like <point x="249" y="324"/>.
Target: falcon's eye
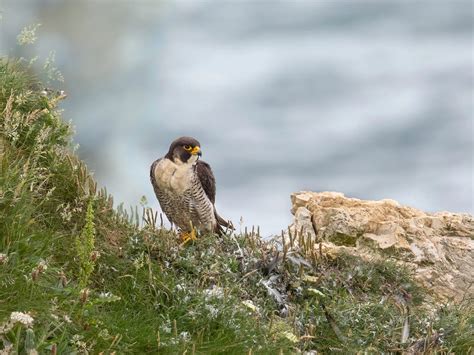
<point x="187" y="147"/>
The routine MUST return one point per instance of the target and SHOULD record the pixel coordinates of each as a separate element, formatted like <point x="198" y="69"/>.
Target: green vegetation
<point x="77" y="275"/>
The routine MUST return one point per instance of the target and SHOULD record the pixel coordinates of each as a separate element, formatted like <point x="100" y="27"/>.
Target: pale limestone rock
<point x="439" y="247"/>
<point x="303" y="222"/>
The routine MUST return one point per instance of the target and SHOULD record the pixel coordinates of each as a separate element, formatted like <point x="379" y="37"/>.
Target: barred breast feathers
<point x="181" y="195"/>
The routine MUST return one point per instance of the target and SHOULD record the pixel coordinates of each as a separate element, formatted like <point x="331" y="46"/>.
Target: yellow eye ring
<point x="187" y="147"/>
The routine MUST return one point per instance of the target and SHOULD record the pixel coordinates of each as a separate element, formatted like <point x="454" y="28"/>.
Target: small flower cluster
<point x="66" y="211"/>
<point x="3" y="258"/>
<point x="184" y="336"/>
<point x="250" y="305"/>
<point x="78" y="342"/>
<point x="166" y="327"/>
<point x="23" y="318"/>
<point x="27" y="35"/>
<point x="16" y="317"/>
<point x="108" y="297"/>
<point x="214" y="292"/>
<point x="213" y="311"/>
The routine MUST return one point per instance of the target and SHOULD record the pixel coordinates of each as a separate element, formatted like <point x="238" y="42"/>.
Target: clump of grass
<point x="146" y="293"/>
<point x="451" y="329"/>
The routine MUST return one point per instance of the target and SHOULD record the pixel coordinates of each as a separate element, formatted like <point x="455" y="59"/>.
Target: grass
<point x="98" y="279"/>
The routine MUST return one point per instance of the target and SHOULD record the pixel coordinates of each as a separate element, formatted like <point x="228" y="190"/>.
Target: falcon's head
<point x="184" y="150"/>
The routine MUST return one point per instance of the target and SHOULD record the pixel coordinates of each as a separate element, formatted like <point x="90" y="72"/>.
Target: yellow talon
<point x="188" y="236"/>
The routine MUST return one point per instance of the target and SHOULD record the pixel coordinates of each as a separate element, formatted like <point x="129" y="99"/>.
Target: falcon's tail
<point x="222" y="225"/>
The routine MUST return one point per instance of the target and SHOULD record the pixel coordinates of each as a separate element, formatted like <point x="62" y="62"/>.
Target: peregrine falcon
<point x="186" y="189"/>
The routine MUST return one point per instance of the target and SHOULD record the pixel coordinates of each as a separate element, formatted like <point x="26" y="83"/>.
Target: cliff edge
<point x="438" y="247"/>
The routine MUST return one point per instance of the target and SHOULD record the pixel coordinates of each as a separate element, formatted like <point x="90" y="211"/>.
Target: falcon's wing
<point x="207" y="179"/>
<point x="208" y="182"/>
<point x="152" y="176"/>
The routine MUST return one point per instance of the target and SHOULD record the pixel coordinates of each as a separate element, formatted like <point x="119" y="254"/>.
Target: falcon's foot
<point x="186" y="237"/>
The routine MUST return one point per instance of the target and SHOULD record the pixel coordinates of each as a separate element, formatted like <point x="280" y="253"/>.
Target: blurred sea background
<point x="370" y="98"/>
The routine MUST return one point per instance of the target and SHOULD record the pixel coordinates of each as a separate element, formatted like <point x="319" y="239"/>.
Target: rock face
<point x="439" y="247"/>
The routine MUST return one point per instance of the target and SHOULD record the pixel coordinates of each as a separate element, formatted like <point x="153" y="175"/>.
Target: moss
<point x="343" y="239"/>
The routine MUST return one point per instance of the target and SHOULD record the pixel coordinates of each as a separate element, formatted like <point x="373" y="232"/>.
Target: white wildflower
<point x="14" y="136"/>
<point x="108" y="297"/>
<point x="27" y="35"/>
<point x="213" y="311"/>
<point x="6" y="327"/>
<point x="77" y="340"/>
<point x="184" y="336"/>
<point x="67" y="319"/>
<point x="249" y="304"/>
<point x="65" y="212"/>
<point x="23" y="318"/>
<point x="166" y="327"/>
<point x="105" y="295"/>
<point x="3" y="258"/>
<point x="173" y="341"/>
<point x="192" y="313"/>
<point x="104" y="333"/>
<point x="214" y="292"/>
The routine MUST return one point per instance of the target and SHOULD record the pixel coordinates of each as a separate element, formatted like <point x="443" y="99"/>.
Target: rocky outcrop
<point x="439" y="247"/>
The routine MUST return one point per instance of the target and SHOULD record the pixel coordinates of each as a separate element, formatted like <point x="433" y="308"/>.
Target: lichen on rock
<point x="438" y="247"/>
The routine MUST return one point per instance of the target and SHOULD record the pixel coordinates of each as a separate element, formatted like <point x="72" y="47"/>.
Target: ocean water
<point x="372" y="99"/>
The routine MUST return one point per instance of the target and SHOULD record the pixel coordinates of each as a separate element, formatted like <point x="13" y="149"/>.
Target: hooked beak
<point x="196" y="151"/>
